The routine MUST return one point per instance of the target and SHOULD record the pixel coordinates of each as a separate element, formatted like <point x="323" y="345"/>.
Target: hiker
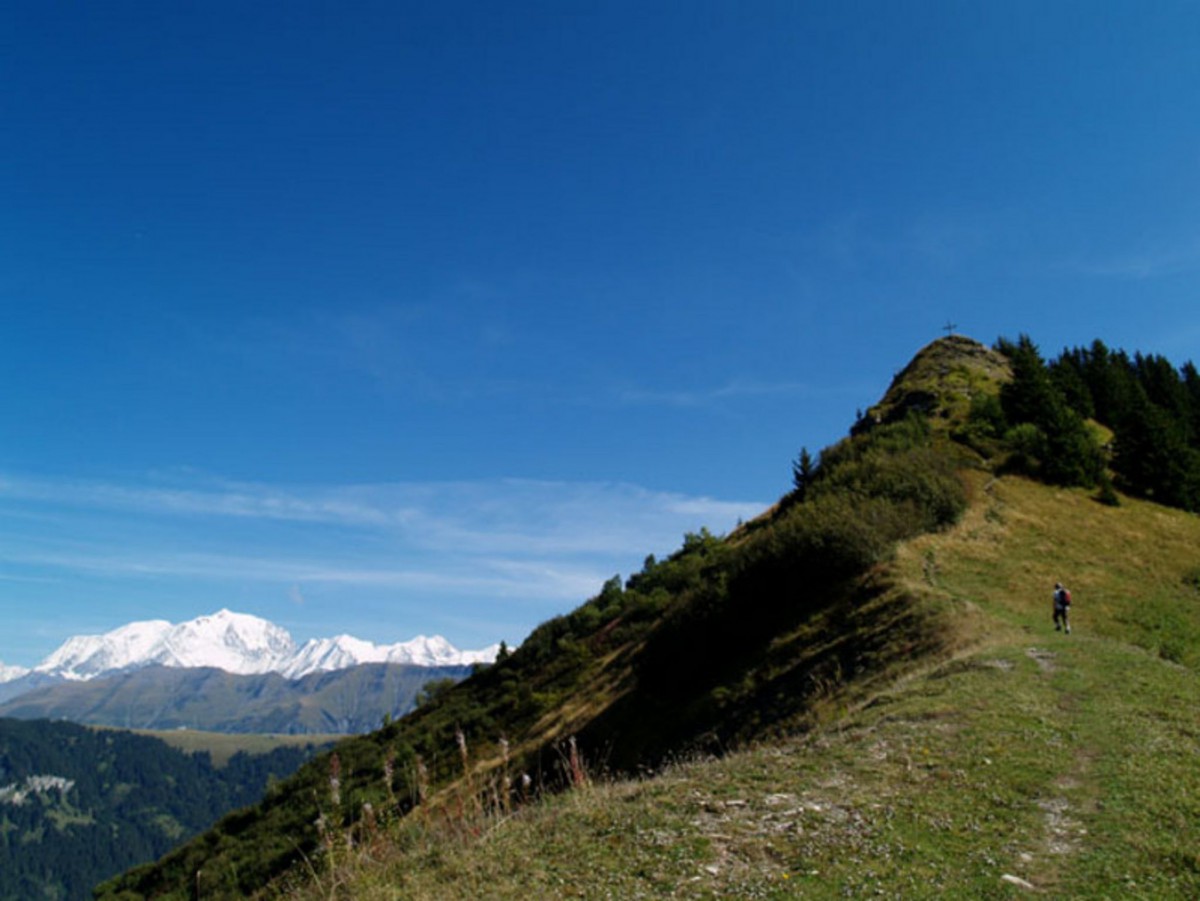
<point x="1062" y="603"/>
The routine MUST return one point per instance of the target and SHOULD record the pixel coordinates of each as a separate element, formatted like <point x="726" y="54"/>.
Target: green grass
<point x="943" y="379"/>
<point x="1072" y="767"/>
<point x="1069" y="762"/>
<point x="223" y="745"/>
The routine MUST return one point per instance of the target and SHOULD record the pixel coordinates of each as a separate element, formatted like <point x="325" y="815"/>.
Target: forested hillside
<point x="78" y="805"/>
<point x="1153" y="409"/>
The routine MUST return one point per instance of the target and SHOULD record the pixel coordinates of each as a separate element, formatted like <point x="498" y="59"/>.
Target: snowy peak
<point x="436" y="651"/>
<point x="237" y="643"/>
<point x="85" y="656"/>
<point x="9" y="673"/>
<point x="323" y="654"/>
<point x="234" y="642"/>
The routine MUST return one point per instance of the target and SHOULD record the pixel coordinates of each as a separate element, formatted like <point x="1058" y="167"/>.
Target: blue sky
<point x="387" y="318"/>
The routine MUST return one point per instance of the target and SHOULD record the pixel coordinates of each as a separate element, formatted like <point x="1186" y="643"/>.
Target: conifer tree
<point x="1153" y="458"/>
<point x="1067" y="452"/>
<point x="803" y="470"/>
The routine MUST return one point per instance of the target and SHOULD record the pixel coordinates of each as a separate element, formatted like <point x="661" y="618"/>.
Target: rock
<point x="1019" y="882"/>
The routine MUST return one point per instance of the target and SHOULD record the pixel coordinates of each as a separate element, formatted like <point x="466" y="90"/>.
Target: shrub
<point x="1027" y="446"/>
<point x="985" y="425"/>
<point x="1107" y="495"/>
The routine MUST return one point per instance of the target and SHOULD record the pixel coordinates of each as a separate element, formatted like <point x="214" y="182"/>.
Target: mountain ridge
<point x="344" y="701"/>
<point x="233" y="642"/>
<point x="880" y="639"/>
<point x="728" y="640"/>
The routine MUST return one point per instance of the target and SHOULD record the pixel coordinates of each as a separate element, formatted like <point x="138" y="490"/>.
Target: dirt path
<point x="1043" y="862"/>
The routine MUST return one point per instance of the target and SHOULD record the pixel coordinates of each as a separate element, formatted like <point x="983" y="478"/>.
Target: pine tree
<point x="803" y="470"/>
<point x="1066" y="452"/>
<point x="1152" y="456"/>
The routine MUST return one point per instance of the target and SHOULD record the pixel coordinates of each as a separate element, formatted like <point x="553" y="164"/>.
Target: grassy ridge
<point x="726" y="641"/>
<point x="1069" y="763"/>
<point x="916" y="727"/>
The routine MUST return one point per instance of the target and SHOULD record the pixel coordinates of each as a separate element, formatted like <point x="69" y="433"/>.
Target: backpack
<point x="1066" y="598"/>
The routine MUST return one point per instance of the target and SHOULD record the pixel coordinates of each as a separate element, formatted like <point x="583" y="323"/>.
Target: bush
<point x="838" y="536"/>
<point x="985" y="425"/>
<point x="1026" y="446"/>
<point x="1107" y="495"/>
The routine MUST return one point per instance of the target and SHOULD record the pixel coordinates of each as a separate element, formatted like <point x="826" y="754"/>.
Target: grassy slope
<point x="1070" y="762"/>
<point x="223" y="745"/>
<point x="724" y="642"/>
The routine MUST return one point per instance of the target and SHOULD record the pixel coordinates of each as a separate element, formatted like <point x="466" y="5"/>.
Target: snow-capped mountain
<point x="233" y="642"/>
<point x="237" y="643"/>
<point x="8" y="673"/>
<point x="345" y="651"/>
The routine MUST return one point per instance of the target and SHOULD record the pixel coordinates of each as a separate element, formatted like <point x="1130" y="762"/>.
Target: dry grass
<point x="223" y="745"/>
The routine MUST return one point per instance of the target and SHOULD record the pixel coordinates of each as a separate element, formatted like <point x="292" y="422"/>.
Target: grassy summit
<point x="879" y="648"/>
<point x="941" y="381"/>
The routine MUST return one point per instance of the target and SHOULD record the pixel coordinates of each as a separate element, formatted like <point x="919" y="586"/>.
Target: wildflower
<point x="461" y="739"/>
<point x="578" y="775"/>
<point x="323" y="830"/>
<point x="505" y="777"/>
<point x="389" y="774"/>
<point x="422" y="780"/>
<point x="370" y="825"/>
<point x="335" y="779"/>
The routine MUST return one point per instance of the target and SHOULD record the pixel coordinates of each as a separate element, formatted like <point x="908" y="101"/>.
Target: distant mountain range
<point x="230" y="672"/>
<point x="234" y="642"/>
<point x="352" y="700"/>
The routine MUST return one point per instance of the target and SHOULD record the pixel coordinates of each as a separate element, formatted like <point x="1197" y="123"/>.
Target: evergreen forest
<point x="79" y="805"/>
<point x="1094" y="411"/>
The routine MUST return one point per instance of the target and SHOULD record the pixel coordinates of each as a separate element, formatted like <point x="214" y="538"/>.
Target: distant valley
<point x="78" y="805"/>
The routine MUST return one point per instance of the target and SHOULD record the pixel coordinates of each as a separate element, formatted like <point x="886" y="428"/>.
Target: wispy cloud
<point x="857" y="241"/>
<point x="8" y="577"/>
<point x="524" y="517"/>
<point x="1143" y="263"/>
<point x="505" y="578"/>
<point x="459" y="546"/>
<point x="244" y="501"/>
<point x="510" y="515"/>
<point x="424" y="350"/>
<point x="702" y="397"/>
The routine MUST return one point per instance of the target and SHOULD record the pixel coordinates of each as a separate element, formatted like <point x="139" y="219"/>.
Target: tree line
<point x="1045" y="420"/>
